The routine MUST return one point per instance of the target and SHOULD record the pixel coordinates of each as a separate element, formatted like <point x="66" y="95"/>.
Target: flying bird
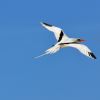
<point x="64" y="41"/>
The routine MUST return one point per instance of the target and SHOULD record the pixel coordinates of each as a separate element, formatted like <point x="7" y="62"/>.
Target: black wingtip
<point x="92" y="55"/>
<point x="47" y="24"/>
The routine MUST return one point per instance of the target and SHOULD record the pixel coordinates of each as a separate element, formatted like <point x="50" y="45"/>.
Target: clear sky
<point x="66" y="75"/>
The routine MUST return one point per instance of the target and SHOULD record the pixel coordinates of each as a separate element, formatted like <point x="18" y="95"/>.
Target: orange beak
<point x="82" y="40"/>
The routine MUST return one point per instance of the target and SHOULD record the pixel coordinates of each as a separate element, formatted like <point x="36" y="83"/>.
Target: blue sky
<point x="66" y="75"/>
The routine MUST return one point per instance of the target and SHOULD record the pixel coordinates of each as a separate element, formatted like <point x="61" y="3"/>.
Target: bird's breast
<point x="63" y="45"/>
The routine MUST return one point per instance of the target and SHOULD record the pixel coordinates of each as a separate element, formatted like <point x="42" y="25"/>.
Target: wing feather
<point x="58" y="32"/>
<point x="83" y="49"/>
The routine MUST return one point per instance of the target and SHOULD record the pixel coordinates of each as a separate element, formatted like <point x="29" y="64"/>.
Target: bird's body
<point x="64" y="41"/>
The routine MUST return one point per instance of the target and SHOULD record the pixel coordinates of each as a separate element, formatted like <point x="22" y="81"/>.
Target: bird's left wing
<point x="51" y="50"/>
<point x="83" y="49"/>
<point x="58" y="32"/>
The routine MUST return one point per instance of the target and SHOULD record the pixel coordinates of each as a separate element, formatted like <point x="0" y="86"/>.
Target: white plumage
<point x="54" y="29"/>
<point x="64" y="41"/>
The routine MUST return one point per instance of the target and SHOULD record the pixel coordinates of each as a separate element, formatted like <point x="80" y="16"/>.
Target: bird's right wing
<point x="51" y="50"/>
<point x="83" y="49"/>
<point x="58" y="32"/>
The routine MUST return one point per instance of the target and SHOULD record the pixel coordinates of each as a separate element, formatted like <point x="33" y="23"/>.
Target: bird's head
<point x="80" y="40"/>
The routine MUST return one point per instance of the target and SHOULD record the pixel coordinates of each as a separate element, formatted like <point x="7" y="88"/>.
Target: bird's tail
<point x="51" y="50"/>
<point x="41" y="55"/>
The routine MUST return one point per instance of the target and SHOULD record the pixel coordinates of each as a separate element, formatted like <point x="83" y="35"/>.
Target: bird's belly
<point x="63" y="46"/>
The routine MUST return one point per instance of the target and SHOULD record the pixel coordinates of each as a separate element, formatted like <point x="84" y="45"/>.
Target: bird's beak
<point x="81" y="40"/>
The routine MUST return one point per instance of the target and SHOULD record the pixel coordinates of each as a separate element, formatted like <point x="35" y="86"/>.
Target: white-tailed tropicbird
<point x="64" y="41"/>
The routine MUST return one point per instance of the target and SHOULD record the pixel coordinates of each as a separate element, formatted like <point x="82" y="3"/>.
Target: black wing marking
<point x="60" y="37"/>
<point x="69" y="43"/>
<point x="47" y="24"/>
<point x="92" y="55"/>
